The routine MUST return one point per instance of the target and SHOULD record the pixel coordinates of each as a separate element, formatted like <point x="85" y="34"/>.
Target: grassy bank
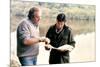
<point x="77" y="26"/>
<point x="81" y="18"/>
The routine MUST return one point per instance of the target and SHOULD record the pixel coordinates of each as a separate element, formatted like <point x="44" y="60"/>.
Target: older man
<point x="28" y="38"/>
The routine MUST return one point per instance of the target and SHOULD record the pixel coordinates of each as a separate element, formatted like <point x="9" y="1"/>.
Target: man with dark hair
<point x="61" y="41"/>
<point x="28" y="38"/>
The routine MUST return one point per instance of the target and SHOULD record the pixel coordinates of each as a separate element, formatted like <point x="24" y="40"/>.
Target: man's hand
<point x="44" y="39"/>
<point x="47" y="40"/>
<point x="48" y="47"/>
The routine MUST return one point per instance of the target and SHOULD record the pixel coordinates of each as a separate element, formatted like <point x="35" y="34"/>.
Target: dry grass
<point x="19" y="11"/>
<point x="82" y="26"/>
<point x="77" y="26"/>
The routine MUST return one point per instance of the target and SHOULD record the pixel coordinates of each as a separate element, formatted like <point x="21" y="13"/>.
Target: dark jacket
<point x="57" y="40"/>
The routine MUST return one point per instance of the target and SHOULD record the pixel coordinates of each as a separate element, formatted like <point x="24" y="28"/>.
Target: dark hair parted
<point x="61" y="17"/>
<point x="32" y="11"/>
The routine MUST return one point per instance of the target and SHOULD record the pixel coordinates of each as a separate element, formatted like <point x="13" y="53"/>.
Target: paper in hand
<point x="66" y="47"/>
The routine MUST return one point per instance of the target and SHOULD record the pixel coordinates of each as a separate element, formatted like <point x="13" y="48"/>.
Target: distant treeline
<point x="50" y="10"/>
<point x="81" y="17"/>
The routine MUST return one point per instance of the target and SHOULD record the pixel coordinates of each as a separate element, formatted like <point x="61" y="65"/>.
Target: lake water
<point x="83" y="52"/>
